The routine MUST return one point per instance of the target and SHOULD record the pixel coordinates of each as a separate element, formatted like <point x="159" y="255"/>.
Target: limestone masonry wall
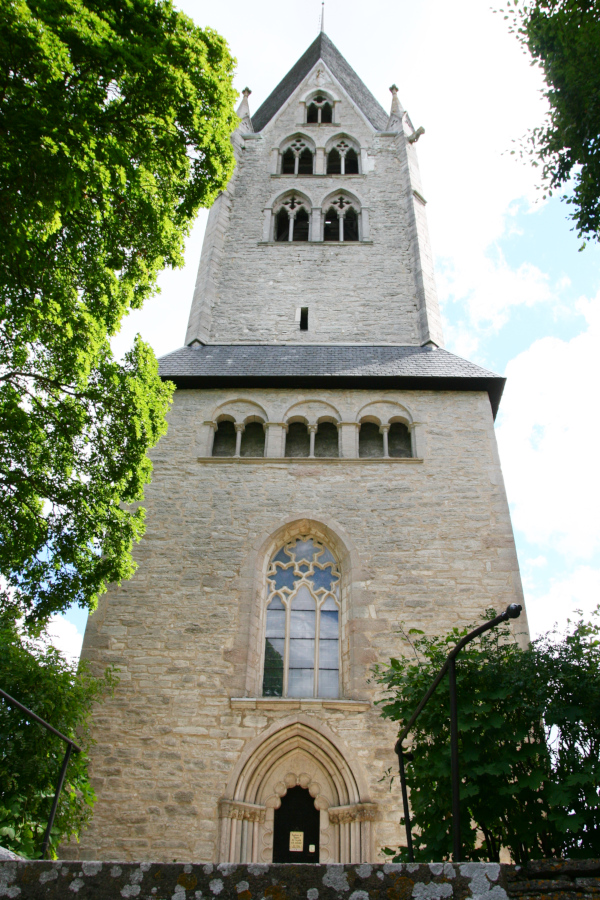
<point x="423" y="542"/>
<point x="379" y="290"/>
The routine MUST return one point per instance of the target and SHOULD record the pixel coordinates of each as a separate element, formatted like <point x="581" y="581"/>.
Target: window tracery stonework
<point x="302" y="649"/>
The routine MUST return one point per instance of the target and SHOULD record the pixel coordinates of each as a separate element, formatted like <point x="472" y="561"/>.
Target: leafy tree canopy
<point x="529" y="745"/>
<point x="115" y="123"/>
<point x="563" y="37"/>
<point x="30" y="756"/>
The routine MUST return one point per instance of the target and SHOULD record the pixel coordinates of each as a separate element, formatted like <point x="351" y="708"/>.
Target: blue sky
<point x="516" y="294"/>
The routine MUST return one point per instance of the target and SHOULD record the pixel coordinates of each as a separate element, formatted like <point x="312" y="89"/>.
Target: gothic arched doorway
<point x="296" y="828"/>
<point x="292" y="758"/>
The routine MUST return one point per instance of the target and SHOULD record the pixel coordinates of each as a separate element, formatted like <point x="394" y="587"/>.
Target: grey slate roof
<point x="328" y="365"/>
<point x="322" y="48"/>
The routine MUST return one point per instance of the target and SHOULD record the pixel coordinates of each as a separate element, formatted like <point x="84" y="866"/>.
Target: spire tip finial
<point x="322" y="16"/>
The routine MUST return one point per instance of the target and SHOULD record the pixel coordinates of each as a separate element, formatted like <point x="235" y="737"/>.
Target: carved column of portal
<point x="240" y="829"/>
<point x="354" y="831"/>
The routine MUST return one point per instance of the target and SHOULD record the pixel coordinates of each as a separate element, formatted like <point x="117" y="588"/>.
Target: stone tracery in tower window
<point x="343" y="157"/>
<point x="341" y="218"/>
<point x="297" y="157"/>
<point x="302" y="648"/>
<point x="319" y="109"/>
<point x="291" y="218"/>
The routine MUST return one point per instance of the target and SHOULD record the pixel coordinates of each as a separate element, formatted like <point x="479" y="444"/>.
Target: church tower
<point x="330" y="474"/>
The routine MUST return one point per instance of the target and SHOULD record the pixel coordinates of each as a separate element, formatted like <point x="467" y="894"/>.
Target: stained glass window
<point x="302" y="623"/>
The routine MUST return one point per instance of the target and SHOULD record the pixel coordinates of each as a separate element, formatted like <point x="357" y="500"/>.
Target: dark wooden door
<point x="296" y="829"/>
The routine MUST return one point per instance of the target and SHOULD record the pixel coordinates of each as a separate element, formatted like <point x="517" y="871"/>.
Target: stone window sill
<point x="317" y="243"/>
<point x="312" y="460"/>
<point x="273" y="703"/>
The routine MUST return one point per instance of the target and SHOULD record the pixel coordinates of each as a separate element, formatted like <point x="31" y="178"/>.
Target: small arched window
<point x="288" y="162"/>
<point x="326" y="440"/>
<point x="341" y="221"/>
<point x="302" y="655"/>
<point x="292" y="222"/>
<point x="224" y="442"/>
<point x="399" y="442"/>
<point x="253" y="440"/>
<point x="370" y="441"/>
<point x="297" y="441"/>
<point x="334" y="162"/>
<point x="319" y="111"/>
<point x="297" y="159"/>
<point x="351" y="162"/>
<point x="342" y="159"/>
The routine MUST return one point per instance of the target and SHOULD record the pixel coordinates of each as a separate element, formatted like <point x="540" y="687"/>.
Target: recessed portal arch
<point x="289" y="755"/>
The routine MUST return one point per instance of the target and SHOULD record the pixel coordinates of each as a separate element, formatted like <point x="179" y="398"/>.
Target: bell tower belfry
<point x="330" y="473"/>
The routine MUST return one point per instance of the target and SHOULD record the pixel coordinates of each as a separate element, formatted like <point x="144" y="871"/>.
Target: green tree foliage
<point x="529" y="723"/>
<point x="31" y="757"/>
<point x="563" y="37"/>
<point x="115" y="123"/>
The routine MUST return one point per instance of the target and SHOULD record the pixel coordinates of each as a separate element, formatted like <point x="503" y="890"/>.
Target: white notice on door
<point x="297" y="841"/>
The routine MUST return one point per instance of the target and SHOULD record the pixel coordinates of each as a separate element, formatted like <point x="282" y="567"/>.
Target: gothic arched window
<point x="292" y="222"/>
<point x="302" y="656"/>
<point x="342" y="158"/>
<point x="319" y="111"/>
<point x="341" y="220"/>
<point x="297" y="158"/>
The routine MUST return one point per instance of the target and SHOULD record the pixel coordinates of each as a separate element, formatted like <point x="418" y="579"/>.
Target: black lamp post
<point x="511" y="612"/>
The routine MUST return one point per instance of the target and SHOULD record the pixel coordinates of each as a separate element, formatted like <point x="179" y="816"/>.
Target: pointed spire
<point x="243" y="111"/>
<point x="322" y="16"/>
<point x="396" y="112"/>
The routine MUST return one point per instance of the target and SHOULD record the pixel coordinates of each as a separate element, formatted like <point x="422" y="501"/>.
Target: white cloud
<point x="65" y="637"/>
<point x="549" y="435"/>
<point x="490" y="289"/>
<point x="579" y="590"/>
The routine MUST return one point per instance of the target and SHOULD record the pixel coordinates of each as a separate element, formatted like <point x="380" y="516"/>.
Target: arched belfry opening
<point x="296" y="788"/>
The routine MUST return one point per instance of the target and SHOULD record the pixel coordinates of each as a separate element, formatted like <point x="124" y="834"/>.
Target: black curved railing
<point x="511" y="612"/>
<point x="71" y="746"/>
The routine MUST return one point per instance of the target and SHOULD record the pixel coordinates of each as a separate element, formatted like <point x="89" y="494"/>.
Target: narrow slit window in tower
<point x="304" y="318"/>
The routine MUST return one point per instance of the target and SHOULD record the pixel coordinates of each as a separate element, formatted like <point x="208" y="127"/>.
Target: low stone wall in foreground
<point x="60" y="880"/>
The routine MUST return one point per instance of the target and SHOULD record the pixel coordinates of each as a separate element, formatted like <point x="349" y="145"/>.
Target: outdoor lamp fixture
<point x="511" y="612"/>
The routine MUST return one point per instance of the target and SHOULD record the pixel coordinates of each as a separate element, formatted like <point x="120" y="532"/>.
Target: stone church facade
<point x="330" y="474"/>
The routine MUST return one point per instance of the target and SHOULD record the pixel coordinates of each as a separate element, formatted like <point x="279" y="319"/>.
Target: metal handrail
<point x="511" y="612"/>
<point x="71" y="745"/>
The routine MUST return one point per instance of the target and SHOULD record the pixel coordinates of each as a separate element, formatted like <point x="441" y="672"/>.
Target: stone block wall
<point x="423" y="543"/>
<point x="379" y="290"/>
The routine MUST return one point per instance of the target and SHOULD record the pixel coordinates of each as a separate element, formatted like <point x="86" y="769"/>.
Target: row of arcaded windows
<point x="341" y="160"/>
<point x="303" y="441"/>
<point x="339" y="219"/>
